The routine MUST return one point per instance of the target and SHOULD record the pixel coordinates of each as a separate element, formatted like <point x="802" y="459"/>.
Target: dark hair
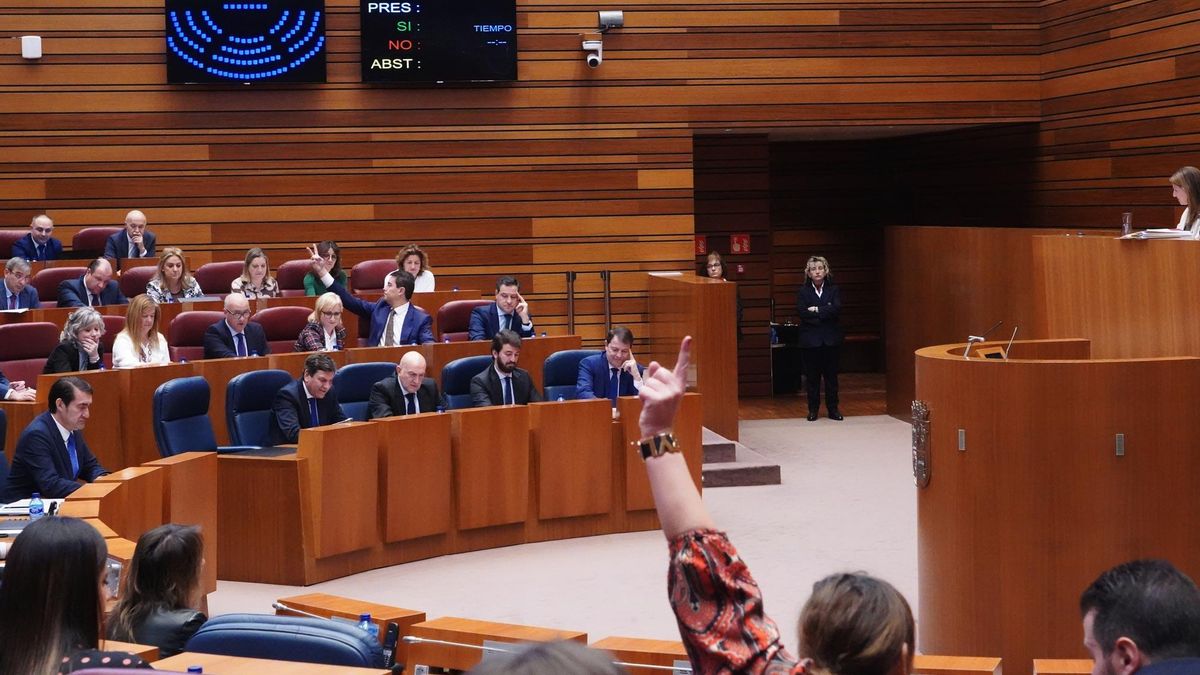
<point x="325" y="247"/>
<point x="1188" y="178"/>
<point x="549" y="658"/>
<point x="413" y="249"/>
<point x="404" y="280"/>
<point x="507" y="281"/>
<point x="621" y="333"/>
<point x="855" y="624"/>
<point x="318" y="361"/>
<point x="505" y="337"/>
<point x="713" y="255"/>
<point x="65" y="388"/>
<point x="50" y="601"/>
<point x="163" y="575"/>
<point x="1149" y="602"/>
<point x="96" y="263"/>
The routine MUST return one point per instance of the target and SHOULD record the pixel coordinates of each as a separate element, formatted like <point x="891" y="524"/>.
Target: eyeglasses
<point x="714" y="266"/>
<point x="238" y="315"/>
<point x="332" y="315"/>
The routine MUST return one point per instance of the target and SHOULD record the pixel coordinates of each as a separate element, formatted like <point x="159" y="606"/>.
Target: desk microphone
<point x="414" y="640"/>
<point x="280" y="605"/>
<point x="972" y="339"/>
<point x="1008" y="349"/>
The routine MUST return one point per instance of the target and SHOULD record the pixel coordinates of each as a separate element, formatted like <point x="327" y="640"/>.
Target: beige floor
<point x="847" y="502"/>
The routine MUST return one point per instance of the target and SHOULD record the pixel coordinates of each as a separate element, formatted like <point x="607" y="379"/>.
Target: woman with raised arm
<point x="852" y="624"/>
<point x="173" y="282"/>
<point x="140" y="343"/>
<point x="331" y="253"/>
<point x="256" y="280"/>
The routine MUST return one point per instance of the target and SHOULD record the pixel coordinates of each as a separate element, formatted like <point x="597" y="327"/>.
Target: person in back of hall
<point x="324" y="330"/>
<point x="331" y="254"/>
<point x="38" y="245"/>
<point x="549" y="658"/>
<point x="140" y="343"/>
<point x="94" y="288"/>
<point x="236" y="334"/>
<point x="503" y="383"/>
<point x="613" y="373"/>
<point x="79" y="347"/>
<point x="714" y="268"/>
<point x="1185" y="187"/>
<point x="18" y="293"/>
<point x="256" y="280"/>
<point x="51" y="457"/>
<point x="508" y="312"/>
<point x="15" y="391"/>
<point x="408" y="392"/>
<point x="173" y="282"/>
<point x="413" y="260"/>
<point x="819" y="302"/>
<point x="1142" y="617"/>
<point x="394" y="319"/>
<point x="161" y="590"/>
<point x="134" y="241"/>
<point x="308" y="402"/>
<point x="852" y="623"/>
<point x="52" y="601"/>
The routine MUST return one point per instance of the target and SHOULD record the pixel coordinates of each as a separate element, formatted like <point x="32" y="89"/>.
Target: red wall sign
<point x="739" y="243"/>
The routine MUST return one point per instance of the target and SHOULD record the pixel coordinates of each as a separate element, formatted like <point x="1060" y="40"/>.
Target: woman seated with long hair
<point x="79" y="346"/>
<point x="173" y="282"/>
<point x="162" y="590"/>
<point x="52" y="601"/>
<point x="256" y="280"/>
<point x="140" y="343"/>
<point x="332" y="254"/>
<point x="413" y="260"/>
<point x="324" y="331"/>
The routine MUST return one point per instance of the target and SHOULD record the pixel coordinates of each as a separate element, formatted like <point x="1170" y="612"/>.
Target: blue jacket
<point x="41" y="463"/>
<point x="72" y="293"/>
<point x="595" y="376"/>
<point x="26" y="299"/>
<point x="485" y="323"/>
<point x="24" y="247"/>
<point x="289" y="412"/>
<point x="418" y="325"/>
<point x="219" y="343"/>
<point x="116" y="247"/>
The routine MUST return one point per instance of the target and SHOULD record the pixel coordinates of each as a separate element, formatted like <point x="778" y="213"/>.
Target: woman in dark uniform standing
<point x="818" y="302"/>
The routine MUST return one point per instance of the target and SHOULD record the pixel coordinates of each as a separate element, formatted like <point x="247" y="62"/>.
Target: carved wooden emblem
<point x="922" y="460"/>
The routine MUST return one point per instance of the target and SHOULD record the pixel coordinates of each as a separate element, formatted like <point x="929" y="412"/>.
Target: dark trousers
<point x="821" y="362"/>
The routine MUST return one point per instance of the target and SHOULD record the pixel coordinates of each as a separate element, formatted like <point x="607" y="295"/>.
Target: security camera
<point x="595" y="52"/>
<point x="609" y="19"/>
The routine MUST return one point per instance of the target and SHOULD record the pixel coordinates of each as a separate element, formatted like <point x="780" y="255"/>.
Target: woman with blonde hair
<point x="1185" y="187"/>
<point x="140" y="343"/>
<point x="173" y="282"/>
<point x="324" y="331"/>
<point x="413" y="260"/>
<point x="79" y="346"/>
<point x="256" y="280"/>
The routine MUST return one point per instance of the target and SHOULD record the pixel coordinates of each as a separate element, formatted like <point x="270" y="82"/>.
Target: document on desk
<point x="1161" y="233"/>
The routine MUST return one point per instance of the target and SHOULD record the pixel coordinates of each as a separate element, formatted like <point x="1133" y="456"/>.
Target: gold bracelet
<point x="656" y="445"/>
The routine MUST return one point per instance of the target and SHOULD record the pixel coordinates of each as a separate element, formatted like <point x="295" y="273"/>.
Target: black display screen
<point x="259" y="41"/>
<point x="431" y="41"/>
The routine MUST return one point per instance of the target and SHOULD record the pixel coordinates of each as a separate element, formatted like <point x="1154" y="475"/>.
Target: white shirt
<point x="125" y="355"/>
<point x="1185" y="221"/>
<point x="330" y="341"/>
<point x="397" y="324"/>
<point x="404" y="392"/>
<point x="424" y="282"/>
<point x="62" y="431"/>
<point x="517" y="322"/>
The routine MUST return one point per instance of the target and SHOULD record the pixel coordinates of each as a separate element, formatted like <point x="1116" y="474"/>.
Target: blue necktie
<point x="508" y="391"/>
<point x="74" y="456"/>
<point x="411" y="407"/>
<point x="12" y="301"/>
<point x="241" y="344"/>
<point x="508" y="322"/>
<point x="314" y="418"/>
<point x="614" y="386"/>
<point x="41" y="252"/>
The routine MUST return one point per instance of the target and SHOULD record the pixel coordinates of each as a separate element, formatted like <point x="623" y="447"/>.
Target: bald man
<point x="38" y="245"/>
<point x="407" y="392"/>
<point x="135" y="241"/>
<point x="94" y="288"/>
<point x="236" y="334"/>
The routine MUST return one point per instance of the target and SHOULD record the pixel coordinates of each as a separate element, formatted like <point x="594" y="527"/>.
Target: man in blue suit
<point x="308" y="402"/>
<point x="94" y="288"/>
<point x="508" y="312"/>
<point x="18" y="294"/>
<point x="613" y="373"/>
<point x="236" y="334"/>
<point x="38" y="245"/>
<point x="135" y="241"/>
<point x="51" y="456"/>
<point x="394" y="320"/>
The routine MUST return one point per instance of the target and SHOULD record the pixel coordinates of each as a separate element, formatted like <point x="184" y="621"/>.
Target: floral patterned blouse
<point x="159" y="293"/>
<point x="268" y="289"/>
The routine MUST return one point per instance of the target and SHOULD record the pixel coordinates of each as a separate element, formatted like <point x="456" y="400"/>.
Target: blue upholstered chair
<point x="560" y="372"/>
<point x="181" y="421"/>
<point x="248" y="405"/>
<point x="456" y="379"/>
<point x="287" y="638"/>
<point x="352" y="384"/>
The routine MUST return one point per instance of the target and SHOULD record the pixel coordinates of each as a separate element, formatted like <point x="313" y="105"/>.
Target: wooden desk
<point x="490" y="447"/>
<point x="342" y="486"/>
<point x="474" y="632"/>
<point x="1062" y="666"/>
<point x="148" y="653"/>
<point x="643" y="651"/>
<point x="218" y="372"/>
<point x="925" y="664"/>
<point x="143" y="499"/>
<point x="137" y="407"/>
<point x="104" y="426"/>
<point x="416" y="481"/>
<point x="240" y="665"/>
<point x="189" y="496"/>
<point x="20" y="414"/>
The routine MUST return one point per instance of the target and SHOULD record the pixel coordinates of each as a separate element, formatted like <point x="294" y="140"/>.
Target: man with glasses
<point x="236" y="335"/>
<point x="38" y="245"/>
<point x="135" y="241"/>
<point x="18" y="294"/>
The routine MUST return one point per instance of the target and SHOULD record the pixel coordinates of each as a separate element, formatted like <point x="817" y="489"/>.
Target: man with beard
<point x="503" y="383"/>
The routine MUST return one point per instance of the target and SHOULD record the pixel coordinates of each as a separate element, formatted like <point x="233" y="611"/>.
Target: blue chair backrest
<point x="248" y="405"/>
<point x="287" y="638"/>
<point x="181" y="422"/>
<point x="352" y="384"/>
<point x="560" y="372"/>
<point x="456" y="379"/>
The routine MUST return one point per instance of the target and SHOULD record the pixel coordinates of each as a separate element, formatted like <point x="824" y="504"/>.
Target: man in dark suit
<point x="18" y="294"/>
<point x="503" y="383"/>
<point x="307" y="402"/>
<point x="613" y="373"/>
<point x="236" y="334"/>
<point x="407" y="393"/>
<point x="94" y="288"/>
<point x="509" y="311"/>
<point x="394" y="320"/>
<point x="51" y="456"/>
<point x="135" y="241"/>
<point x="38" y="245"/>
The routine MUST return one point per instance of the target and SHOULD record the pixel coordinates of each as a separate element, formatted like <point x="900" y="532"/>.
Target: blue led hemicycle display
<point x="279" y="40"/>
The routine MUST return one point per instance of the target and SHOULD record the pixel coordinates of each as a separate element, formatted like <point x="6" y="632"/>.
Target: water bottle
<point x="543" y="333"/>
<point x="560" y="399"/>
<point x="195" y="669"/>
<point x="441" y="409"/>
<point x="36" y="508"/>
<point x="446" y="339"/>
<point x="365" y="623"/>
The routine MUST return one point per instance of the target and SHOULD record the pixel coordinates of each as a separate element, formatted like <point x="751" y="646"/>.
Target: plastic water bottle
<point x="560" y="399"/>
<point x="446" y="339"/>
<point x="441" y="409"/>
<point x="195" y="669"/>
<point x="36" y="508"/>
<point x="365" y="623"/>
